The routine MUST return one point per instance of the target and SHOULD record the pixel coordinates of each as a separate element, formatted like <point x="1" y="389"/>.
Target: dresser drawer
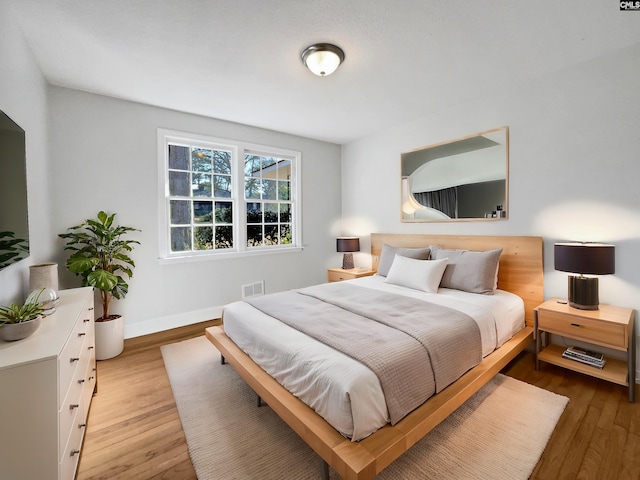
<point x="589" y="330"/>
<point x="338" y="277"/>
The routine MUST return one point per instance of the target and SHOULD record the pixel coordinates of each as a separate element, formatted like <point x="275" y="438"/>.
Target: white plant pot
<point x="109" y="338"/>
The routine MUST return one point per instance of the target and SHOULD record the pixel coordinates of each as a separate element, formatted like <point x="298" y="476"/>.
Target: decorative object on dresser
<point x="340" y="274"/>
<point x="584" y="258"/>
<point x="18" y="322"/>
<point x="101" y="257"/>
<point x="347" y="245"/>
<point x="609" y="327"/>
<point x="47" y="383"/>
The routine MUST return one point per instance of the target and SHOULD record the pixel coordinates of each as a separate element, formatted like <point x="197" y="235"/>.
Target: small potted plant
<point x="18" y="322"/>
<point x="101" y="257"/>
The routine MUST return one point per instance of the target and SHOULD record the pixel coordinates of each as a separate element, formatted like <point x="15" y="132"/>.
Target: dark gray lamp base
<point x="583" y="292"/>
<point x="347" y="261"/>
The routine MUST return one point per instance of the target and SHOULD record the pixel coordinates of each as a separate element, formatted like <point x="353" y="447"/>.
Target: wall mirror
<point x="463" y="179"/>
<point x="14" y="224"/>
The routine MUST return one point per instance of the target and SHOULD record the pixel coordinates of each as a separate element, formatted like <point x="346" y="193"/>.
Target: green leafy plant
<point x="101" y="257"/>
<point x="18" y="314"/>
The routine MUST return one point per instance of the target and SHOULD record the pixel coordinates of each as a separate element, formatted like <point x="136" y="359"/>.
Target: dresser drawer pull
<point x="86" y="320"/>
<point x="74" y="452"/>
<point x="91" y="377"/>
<point x="90" y="347"/>
<point x="81" y="381"/>
<point x="74" y="359"/>
<point x="81" y="334"/>
<point x="73" y="405"/>
<point x="90" y="308"/>
<point x="575" y="325"/>
<point x="82" y="425"/>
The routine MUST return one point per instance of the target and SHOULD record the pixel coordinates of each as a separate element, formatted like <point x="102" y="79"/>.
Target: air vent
<point x="253" y="289"/>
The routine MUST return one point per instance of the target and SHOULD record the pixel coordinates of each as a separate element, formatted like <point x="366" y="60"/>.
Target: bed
<point x="520" y="273"/>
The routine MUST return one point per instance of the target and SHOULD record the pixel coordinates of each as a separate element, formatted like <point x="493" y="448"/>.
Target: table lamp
<point x="347" y="245"/>
<point x="584" y="259"/>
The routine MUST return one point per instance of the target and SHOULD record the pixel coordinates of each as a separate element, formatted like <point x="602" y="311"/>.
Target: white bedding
<point x="340" y="389"/>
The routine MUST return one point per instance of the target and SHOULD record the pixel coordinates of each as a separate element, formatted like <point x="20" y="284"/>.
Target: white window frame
<point x="238" y="150"/>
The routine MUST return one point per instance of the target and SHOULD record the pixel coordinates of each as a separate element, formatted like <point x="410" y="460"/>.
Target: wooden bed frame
<point x="521" y="272"/>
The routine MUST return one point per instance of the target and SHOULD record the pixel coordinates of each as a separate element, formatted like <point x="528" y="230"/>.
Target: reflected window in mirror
<point x="462" y="179"/>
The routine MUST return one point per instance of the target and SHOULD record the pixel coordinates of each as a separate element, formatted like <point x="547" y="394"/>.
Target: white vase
<point x="109" y="338"/>
<point x="43" y="275"/>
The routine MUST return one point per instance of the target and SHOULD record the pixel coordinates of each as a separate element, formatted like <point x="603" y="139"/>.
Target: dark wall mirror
<point x="14" y="223"/>
<point x="463" y="179"/>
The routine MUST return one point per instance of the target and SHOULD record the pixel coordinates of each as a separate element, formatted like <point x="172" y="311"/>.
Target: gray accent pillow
<point x="389" y="253"/>
<point x="468" y="270"/>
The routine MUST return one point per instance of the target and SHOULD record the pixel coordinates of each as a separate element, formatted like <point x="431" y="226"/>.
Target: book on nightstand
<point x="587" y="357"/>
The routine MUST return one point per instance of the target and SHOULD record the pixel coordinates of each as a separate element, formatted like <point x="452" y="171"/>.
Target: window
<point x="223" y="197"/>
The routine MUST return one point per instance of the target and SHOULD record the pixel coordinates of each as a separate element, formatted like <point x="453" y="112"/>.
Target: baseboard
<point x="171" y="321"/>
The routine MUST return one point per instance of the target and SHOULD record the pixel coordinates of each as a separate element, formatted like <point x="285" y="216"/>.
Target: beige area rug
<point x="499" y="433"/>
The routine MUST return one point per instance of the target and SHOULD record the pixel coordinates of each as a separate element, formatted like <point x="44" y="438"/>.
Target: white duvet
<point x="340" y="389"/>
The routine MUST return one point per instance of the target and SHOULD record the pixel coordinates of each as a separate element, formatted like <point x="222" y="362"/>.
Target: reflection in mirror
<point x="465" y="179"/>
<point x="14" y="226"/>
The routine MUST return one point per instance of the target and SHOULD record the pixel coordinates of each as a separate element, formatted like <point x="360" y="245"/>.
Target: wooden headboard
<point x="521" y="263"/>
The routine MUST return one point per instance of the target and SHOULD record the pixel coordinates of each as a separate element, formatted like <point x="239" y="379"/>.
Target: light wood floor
<point x="134" y="431"/>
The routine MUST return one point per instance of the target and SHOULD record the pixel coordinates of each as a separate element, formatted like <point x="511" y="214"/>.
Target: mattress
<point x="340" y="389"/>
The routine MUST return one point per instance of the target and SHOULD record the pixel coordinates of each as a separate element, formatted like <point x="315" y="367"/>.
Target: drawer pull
<point x="575" y="325"/>
<point x="74" y="452"/>
<point x="90" y="308"/>
<point x="82" y="425"/>
<point x="90" y="347"/>
<point x="73" y="405"/>
<point x="74" y="359"/>
<point x="91" y="377"/>
<point x="81" y="381"/>
<point x="86" y="320"/>
<point x="81" y="334"/>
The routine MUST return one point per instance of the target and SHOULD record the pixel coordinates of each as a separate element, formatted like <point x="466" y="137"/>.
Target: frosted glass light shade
<point x="322" y="58"/>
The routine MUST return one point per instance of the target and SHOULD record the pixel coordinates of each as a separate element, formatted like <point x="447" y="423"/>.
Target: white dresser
<point x="46" y="384"/>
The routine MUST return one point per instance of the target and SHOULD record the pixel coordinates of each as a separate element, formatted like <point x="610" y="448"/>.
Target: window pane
<point x="201" y="160"/>
<point x="251" y="166"/>
<point x="268" y="162"/>
<point x="252" y="188"/>
<point x="254" y="235"/>
<point x="271" y="235"/>
<point x="270" y="212"/>
<point x="201" y="185"/>
<point x="224" y="237"/>
<point x="202" y="211"/>
<point x="285" y="212"/>
<point x="254" y="212"/>
<point x="224" y="212"/>
<point x="222" y="162"/>
<point x="222" y="184"/>
<point x="178" y="157"/>
<point x="203" y="238"/>
<point x="284" y="169"/>
<point x="284" y="190"/>
<point x="285" y="234"/>
<point x="180" y="239"/>
<point x="269" y="189"/>
<point x="179" y="184"/>
<point x="180" y="212"/>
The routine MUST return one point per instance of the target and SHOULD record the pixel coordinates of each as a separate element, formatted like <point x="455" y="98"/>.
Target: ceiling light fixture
<point x="322" y="58"/>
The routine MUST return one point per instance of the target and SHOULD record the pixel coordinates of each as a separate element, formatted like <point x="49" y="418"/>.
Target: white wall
<point x="23" y="97"/>
<point x="574" y="167"/>
<point x="104" y="157"/>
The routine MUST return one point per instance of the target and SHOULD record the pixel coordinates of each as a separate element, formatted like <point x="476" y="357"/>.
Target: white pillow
<point x="422" y="275"/>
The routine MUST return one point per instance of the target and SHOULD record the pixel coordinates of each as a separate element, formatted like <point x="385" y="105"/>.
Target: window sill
<point x="206" y="257"/>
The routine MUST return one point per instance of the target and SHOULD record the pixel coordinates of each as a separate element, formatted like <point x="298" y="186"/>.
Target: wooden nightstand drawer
<point x="339" y="274"/>
<point x="586" y="329"/>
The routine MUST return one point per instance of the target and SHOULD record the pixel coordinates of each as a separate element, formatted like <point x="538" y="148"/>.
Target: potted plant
<point x="18" y="322"/>
<point x="101" y="257"/>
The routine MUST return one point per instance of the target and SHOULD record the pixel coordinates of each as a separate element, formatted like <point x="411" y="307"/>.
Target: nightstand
<point x="340" y="274"/>
<point x="610" y="327"/>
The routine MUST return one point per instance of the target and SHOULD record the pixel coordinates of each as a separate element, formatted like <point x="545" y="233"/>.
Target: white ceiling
<point x="239" y="60"/>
